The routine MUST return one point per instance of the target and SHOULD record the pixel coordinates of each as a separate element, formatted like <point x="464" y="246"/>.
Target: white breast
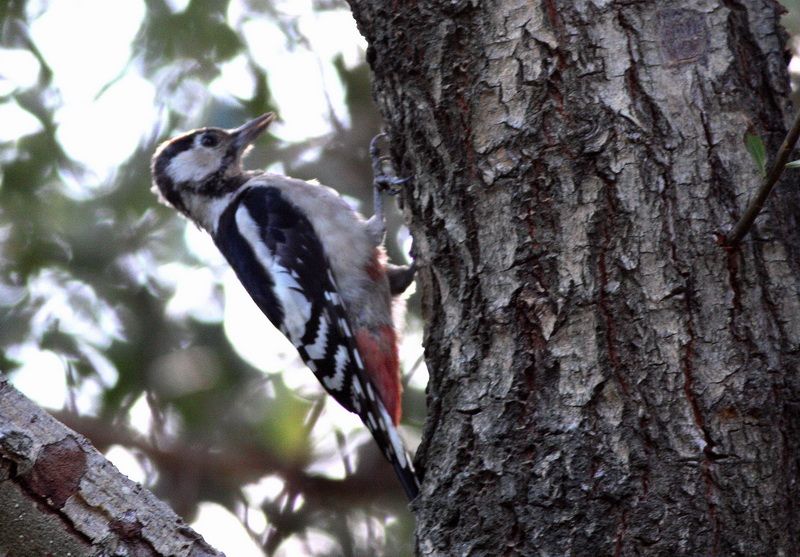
<point x="206" y="211"/>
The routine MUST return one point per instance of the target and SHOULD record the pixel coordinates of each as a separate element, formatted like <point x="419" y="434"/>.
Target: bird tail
<point x="375" y="416"/>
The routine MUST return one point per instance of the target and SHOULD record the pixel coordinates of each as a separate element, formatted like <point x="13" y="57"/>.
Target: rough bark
<point x="605" y="379"/>
<point x="59" y="496"/>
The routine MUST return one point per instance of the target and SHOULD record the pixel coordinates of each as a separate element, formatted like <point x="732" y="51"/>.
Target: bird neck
<point x="205" y="203"/>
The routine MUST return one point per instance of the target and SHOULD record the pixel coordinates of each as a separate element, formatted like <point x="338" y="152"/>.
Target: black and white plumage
<point x="311" y="264"/>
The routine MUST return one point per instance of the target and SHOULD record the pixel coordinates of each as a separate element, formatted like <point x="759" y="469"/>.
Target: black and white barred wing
<point x="279" y="260"/>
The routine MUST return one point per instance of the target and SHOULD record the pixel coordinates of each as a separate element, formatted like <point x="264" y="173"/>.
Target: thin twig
<point x="743" y="226"/>
<point x="410" y="373"/>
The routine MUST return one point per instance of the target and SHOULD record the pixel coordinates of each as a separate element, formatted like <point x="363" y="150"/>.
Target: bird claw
<point x="391" y="185"/>
<point x="384" y="181"/>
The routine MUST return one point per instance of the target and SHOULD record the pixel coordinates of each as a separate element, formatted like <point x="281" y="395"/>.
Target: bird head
<point x="204" y="161"/>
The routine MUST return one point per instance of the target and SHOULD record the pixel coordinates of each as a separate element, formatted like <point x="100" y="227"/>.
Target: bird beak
<point x="249" y="132"/>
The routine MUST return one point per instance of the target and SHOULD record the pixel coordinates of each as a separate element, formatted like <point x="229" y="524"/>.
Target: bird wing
<point x="278" y="258"/>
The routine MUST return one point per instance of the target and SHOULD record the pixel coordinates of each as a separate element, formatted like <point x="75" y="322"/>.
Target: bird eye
<point x="209" y="140"/>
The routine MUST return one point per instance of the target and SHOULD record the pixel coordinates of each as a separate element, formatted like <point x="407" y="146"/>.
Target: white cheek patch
<point x="194" y="164"/>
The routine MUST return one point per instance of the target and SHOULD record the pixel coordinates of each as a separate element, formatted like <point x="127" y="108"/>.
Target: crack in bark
<point x="603" y="302"/>
<point x="708" y="454"/>
<point x="619" y="539"/>
<point x="732" y="264"/>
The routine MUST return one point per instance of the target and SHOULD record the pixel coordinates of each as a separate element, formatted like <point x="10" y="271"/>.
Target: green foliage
<point x="755" y="146"/>
<point x="284" y="420"/>
<point x="198" y="33"/>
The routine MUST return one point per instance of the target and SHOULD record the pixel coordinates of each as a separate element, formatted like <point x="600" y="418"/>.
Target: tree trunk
<point x="605" y="378"/>
<point x="59" y="496"/>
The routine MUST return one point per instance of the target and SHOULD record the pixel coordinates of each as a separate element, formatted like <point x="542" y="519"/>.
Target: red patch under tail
<point x="379" y="352"/>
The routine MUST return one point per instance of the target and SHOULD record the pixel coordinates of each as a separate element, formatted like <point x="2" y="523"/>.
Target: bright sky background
<point x="302" y="82"/>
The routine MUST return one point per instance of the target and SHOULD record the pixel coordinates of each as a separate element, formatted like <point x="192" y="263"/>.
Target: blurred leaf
<point x="755" y="146"/>
<point x="7" y="365"/>
<point x="282" y="424"/>
<point x="60" y="343"/>
<point x="198" y="33"/>
<point x="793" y="164"/>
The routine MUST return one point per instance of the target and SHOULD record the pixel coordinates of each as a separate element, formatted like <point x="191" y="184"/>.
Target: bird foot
<point x="384" y="178"/>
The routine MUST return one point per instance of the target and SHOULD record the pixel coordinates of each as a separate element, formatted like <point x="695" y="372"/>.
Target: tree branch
<point x="58" y="495"/>
<point x="757" y="203"/>
<point x="240" y="465"/>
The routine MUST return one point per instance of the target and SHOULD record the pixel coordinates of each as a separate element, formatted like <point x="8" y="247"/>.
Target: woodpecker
<point x="313" y="265"/>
